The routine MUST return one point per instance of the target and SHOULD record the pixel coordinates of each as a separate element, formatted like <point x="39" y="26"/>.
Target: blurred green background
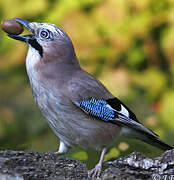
<point x="127" y="44"/>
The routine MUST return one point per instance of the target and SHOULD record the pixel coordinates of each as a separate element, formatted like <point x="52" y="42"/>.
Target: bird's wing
<point x="101" y="109"/>
<point x="94" y="99"/>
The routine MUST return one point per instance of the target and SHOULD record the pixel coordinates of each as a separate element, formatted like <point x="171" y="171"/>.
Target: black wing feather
<point x="115" y="103"/>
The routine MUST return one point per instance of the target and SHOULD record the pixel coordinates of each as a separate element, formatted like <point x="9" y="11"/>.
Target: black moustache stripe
<point x="36" y="45"/>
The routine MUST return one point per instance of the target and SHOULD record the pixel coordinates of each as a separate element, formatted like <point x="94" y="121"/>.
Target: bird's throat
<point x="33" y="42"/>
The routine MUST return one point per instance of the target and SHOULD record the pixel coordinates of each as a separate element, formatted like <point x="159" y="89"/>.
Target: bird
<point x="79" y="108"/>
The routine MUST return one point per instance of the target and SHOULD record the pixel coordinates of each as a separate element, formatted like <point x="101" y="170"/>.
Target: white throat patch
<point x="33" y="57"/>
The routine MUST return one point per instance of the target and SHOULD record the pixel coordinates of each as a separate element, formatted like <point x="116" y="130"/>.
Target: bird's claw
<point x="96" y="172"/>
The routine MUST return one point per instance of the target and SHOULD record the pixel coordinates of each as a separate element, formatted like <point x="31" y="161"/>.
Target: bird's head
<point x="48" y="41"/>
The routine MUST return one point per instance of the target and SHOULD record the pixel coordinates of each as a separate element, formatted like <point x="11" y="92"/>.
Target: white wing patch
<point x="124" y="111"/>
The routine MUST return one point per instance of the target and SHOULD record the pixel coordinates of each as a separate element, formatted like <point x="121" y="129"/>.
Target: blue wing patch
<point x="104" y="109"/>
<point x="98" y="108"/>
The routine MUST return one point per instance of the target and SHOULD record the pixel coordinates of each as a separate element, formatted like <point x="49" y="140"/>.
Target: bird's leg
<point x="63" y="148"/>
<point x="96" y="172"/>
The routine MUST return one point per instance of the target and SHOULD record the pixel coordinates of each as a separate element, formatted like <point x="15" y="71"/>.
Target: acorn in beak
<point x="24" y="38"/>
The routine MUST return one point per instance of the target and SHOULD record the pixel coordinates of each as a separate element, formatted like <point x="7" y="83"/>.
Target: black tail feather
<point x="157" y="143"/>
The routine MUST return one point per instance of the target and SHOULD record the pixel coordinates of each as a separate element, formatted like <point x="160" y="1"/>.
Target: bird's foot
<point x="96" y="172"/>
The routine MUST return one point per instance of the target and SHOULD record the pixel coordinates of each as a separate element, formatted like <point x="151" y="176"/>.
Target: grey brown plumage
<point x="60" y="87"/>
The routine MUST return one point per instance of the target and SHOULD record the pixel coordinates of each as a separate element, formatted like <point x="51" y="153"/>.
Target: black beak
<point x="24" y="38"/>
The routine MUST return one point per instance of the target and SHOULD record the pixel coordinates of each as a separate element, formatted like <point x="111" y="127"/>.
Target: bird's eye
<point x="44" y="34"/>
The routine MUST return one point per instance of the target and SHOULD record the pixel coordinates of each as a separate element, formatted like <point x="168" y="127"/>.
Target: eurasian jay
<point x="78" y="107"/>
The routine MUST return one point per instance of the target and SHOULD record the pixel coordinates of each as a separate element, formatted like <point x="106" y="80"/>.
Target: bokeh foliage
<point x="127" y="44"/>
